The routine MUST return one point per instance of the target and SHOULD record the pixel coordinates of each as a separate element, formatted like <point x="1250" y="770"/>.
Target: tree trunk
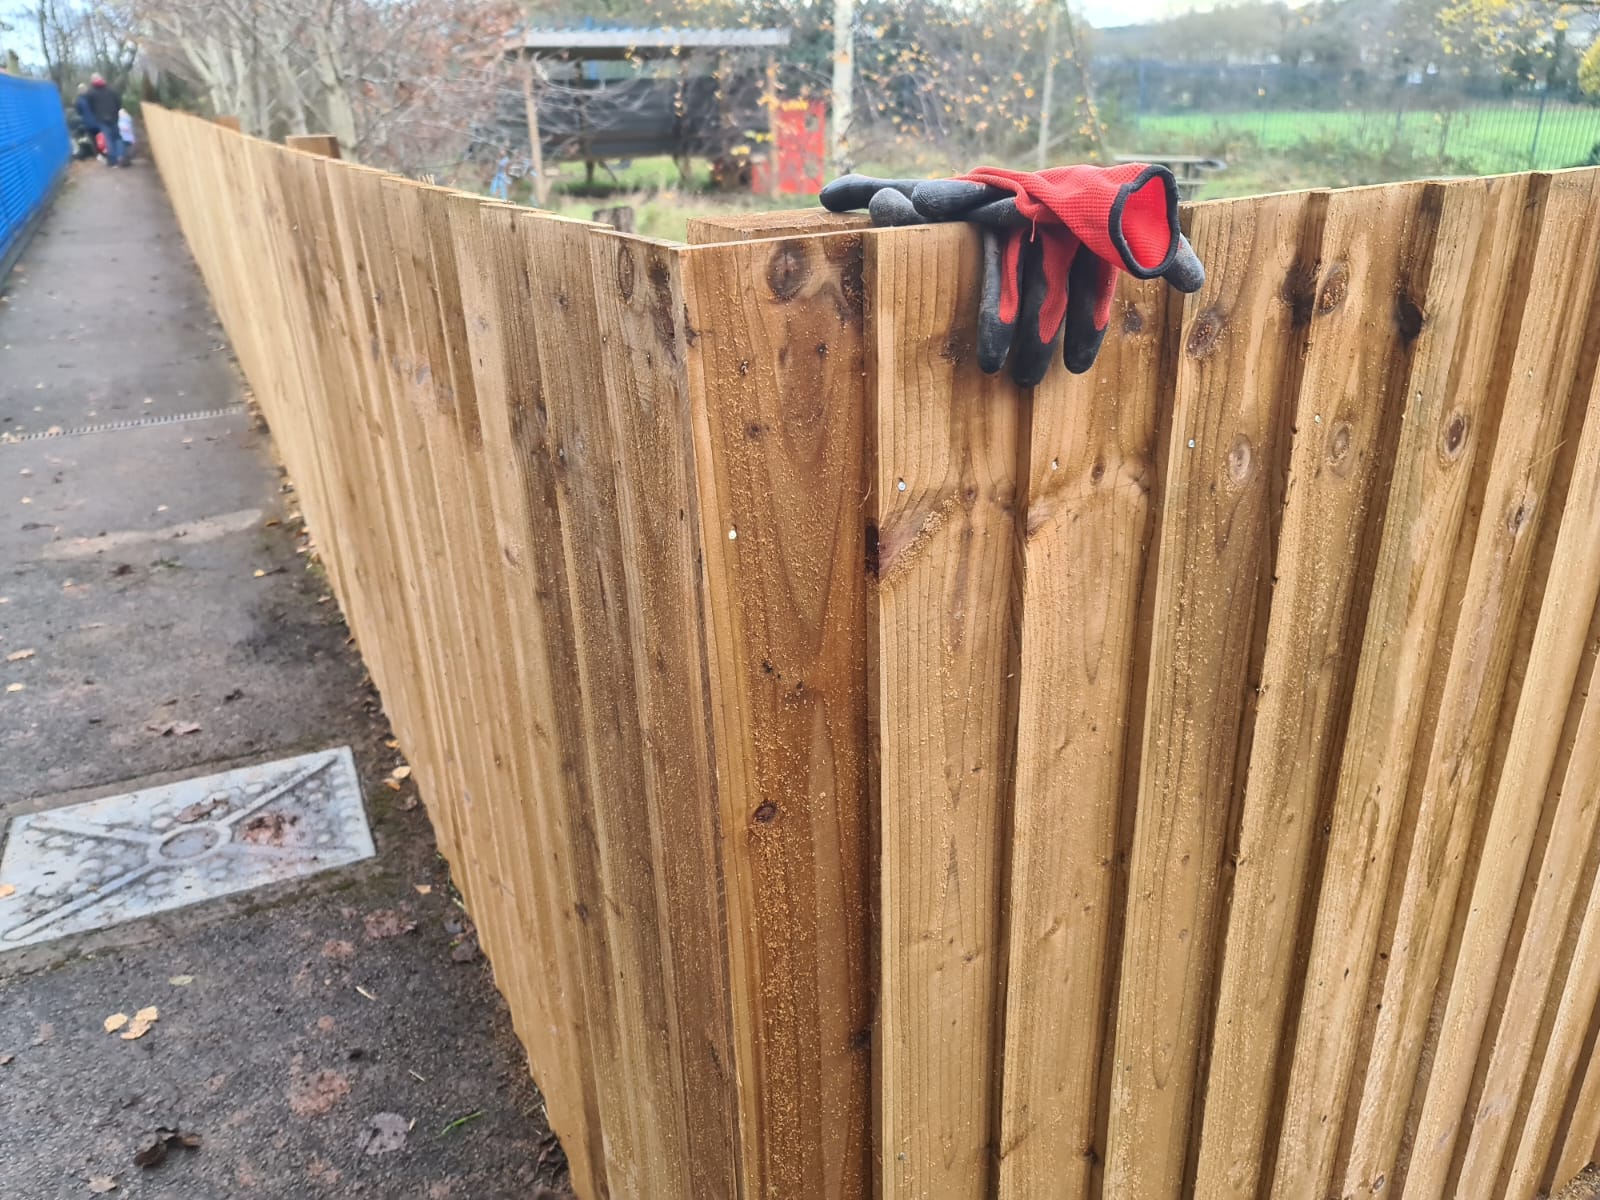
<point x="1047" y="93"/>
<point x="844" y="71"/>
<point x="530" y="103"/>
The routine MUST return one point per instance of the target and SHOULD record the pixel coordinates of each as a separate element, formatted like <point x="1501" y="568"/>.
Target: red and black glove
<point x="1053" y="242"/>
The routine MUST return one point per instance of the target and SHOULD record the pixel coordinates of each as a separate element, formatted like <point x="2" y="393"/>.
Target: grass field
<point x="1486" y="140"/>
<point x="1272" y="150"/>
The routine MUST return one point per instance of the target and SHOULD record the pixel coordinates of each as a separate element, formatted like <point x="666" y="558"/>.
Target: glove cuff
<point x="1135" y="201"/>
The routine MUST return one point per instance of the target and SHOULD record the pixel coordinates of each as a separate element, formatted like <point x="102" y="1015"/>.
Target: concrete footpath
<point x="159" y="620"/>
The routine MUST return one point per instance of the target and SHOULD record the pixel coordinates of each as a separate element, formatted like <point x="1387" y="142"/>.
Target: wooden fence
<point x="871" y="779"/>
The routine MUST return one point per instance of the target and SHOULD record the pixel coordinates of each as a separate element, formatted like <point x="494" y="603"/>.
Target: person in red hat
<point x="105" y="102"/>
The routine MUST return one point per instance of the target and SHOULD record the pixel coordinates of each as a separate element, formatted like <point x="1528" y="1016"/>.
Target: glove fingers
<point x="1091" y="286"/>
<point x="1186" y="272"/>
<point x="1001" y="214"/>
<point x="1039" y="329"/>
<point x="1000" y="299"/>
<point x="953" y="199"/>
<point x="890" y="207"/>
<point x="856" y="191"/>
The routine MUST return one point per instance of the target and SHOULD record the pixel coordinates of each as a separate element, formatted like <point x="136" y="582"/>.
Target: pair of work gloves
<point x="1053" y="243"/>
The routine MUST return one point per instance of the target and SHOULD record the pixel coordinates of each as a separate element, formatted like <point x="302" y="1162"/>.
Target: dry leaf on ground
<point x="423" y="889"/>
<point x="181" y="980"/>
<point x="392" y="743"/>
<point x="7" y="889"/>
<point x="153" y="1147"/>
<point x="387" y="923"/>
<point x="184" y="727"/>
<point x="19" y="655"/>
<point x="101" y="1184"/>
<point x="14" y="687"/>
<point x="392" y="784"/>
<point x="115" y="1022"/>
<point x="135" y="1031"/>
<point x="384" y="1133"/>
<point x="400" y="772"/>
<point x="149" y="1015"/>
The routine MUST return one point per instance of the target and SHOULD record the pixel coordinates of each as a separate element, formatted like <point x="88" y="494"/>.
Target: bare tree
<point x="397" y="82"/>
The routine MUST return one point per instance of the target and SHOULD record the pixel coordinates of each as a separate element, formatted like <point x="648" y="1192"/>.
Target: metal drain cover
<point x="96" y="864"/>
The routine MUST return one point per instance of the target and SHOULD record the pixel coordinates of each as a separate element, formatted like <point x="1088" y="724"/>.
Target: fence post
<point x="1538" y="124"/>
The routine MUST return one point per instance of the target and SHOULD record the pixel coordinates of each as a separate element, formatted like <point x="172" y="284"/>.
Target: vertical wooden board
<point x="1437" y="488"/>
<point x="640" y="302"/>
<point x="470" y="532"/>
<point x="1377" y="253"/>
<point x="617" y="887"/>
<point x="1569" y="600"/>
<point x="1092" y="477"/>
<point x="442" y="407"/>
<point x="352" y="194"/>
<point x="1238" y="368"/>
<point x="1530" y="424"/>
<point x="533" y="628"/>
<point x="946" y="498"/>
<point x="775" y="343"/>
<point x="1574" y="1143"/>
<point x="1572" y="994"/>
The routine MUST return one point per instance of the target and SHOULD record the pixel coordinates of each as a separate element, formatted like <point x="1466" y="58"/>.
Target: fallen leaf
<point x="201" y="810"/>
<point x="6" y="1060"/>
<point x="7" y="890"/>
<point x="19" y="655"/>
<point x="423" y="889"/>
<point x="392" y="784"/>
<point x="161" y="728"/>
<point x="101" y="1184"/>
<point x="14" y="687"/>
<point x="393" y="743"/>
<point x="271" y="523"/>
<point x="365" y="993"/>
<point x="400" y="772"/>
<point x="383" y="1133"/>
<point x="184" y="727"/>
<point x="386" y="923"/>
<point x="181" y="980"/>
<point x="135" y="1031"/>
<point x="260" y="574"/>
<point x="148" y="1015"/>
<point x="115" y="1022"/>
<point x="268" y="829"/>
<point x="152" y="1150"/>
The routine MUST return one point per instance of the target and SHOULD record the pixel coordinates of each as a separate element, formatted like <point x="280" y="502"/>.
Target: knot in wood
<point x="1453" y="438"/>
<point x="1335" y="287"/>
<point x="625" y="273"/>
<point x="1241" y="460"/>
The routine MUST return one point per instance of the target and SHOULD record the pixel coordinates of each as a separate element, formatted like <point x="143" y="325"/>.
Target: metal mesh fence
<point x="33" y="152"/>
<point x="1426" y="118"/>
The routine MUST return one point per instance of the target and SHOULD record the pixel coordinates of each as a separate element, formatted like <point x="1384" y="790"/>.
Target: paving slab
<point x="166" y="643"/>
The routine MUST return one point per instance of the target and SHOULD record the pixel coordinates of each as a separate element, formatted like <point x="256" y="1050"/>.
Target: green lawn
<point x="1486" y="139"/>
